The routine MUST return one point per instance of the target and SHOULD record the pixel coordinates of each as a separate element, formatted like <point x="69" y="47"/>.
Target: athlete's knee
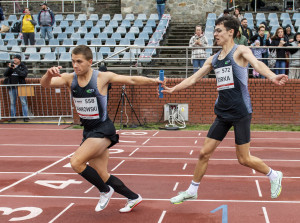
<point x="204" y="156"/>
<point x="77" y="165"/>
<point x="245" y="161"/>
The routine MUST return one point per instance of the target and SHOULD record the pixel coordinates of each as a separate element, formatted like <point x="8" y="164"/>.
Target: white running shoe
<point x="131" y="204"/>
<point x="276" y="185"/>
<point x="104" y="199"/>
<point x="182" y="196"/>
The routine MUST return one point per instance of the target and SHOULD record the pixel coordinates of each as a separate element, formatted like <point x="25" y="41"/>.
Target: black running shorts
<point x="220" y="127"/>
<point x="105" y="130"/>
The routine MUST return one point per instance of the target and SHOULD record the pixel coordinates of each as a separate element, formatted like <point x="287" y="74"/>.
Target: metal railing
<point x="39" y="102"/>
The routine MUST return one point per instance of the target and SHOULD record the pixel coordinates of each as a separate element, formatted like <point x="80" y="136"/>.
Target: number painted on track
<point x="57" y="184"/>
<point x="34" y="212"/>
<point x="224" y="213"/>
<point x="134" y="133"/>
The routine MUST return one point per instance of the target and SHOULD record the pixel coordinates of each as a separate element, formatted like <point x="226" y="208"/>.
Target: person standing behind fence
<point x="198" y="55"/>
<point x="280" y="40"/>
<point x="246" y="31"/>
<point x="46" y="19"/>
<point x="16" y="73"/>
<point x="257" y="52"/>
<point x="27" y="27"/>
<point x="240" y="39"/>
<point x="161" y="5"/>
<point x="294" y="71"/>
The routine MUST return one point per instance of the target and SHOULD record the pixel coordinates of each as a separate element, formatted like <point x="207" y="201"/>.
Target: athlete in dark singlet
<point x="232" y="107"/>
<point x="89" y="90"/>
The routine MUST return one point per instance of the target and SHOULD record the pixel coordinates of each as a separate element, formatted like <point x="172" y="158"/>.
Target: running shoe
<point x="104" y="199"/>
<point x="276" y="185"/>
<point x="131" y="204"/>
<point x="182" y="196"/>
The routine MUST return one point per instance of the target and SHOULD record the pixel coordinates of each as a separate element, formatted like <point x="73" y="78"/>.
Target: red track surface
<point x="156" y="164"/>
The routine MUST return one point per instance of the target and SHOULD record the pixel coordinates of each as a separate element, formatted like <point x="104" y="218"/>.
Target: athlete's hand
<point x="54" y="71"/>
<point x="167" y="89"/>
<point x="280" y="79"/>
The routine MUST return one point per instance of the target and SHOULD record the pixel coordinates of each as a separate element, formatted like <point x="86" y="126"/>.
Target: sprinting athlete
<point x="89" y="91"/>
<point x="232" y="107"/>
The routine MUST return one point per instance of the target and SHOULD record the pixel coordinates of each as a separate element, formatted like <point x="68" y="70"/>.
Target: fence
<point x="41" y="102"/>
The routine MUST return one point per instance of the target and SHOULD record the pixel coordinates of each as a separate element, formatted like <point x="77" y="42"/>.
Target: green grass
<point x="254" y="127"/>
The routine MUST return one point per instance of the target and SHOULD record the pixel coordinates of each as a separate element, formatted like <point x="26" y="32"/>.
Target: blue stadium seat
<point x="119" y="48"/>
<point x="1" y="42"/>
<point x="13" y="42"/>
<point x="210" y="42"/>
<point x="101" y="24"/>
<point x="9" y="36"/>
<point x="82" y="30"/>
<point x="121" y="30"/>
<point x="273" y="29"/>
<point x="116" y="36"/>
<point x="65" y="57"/>
<point x="142" y="17"/>
<point x="144" y="36"/>
<point x="274" y="22"/>
<point x="250" y="24"/>
<point x="118" y="17"/>
<point x="40" y="42"/>
<point x="259" y="21"/>
<point x="94" y="17"/>
<point x="126" y="41"/>
<point x="99" y="56"/>
<point x="286" y="22"/>
<point x="49" y="57"/>
<point x="248" y="15"/>
<point x="148" y="29"/>
<point x="76" y="24"/>
<point x="139" y="42"/>
<point x="95" y="30"/>
<point x="272" y="16"/>
<point x="4" y="56"/>
<point x="209" y="29"/>
<point x="129" y="17"/>
<point x="70" y="18"/>
<point x="212" y="16"/>
<point x="88" y="24"/>
<point x="16" y="48"/>
<point x="56" y="30"/>
<point x="81" y="42"/>
<point x="82" y="17"/>
<point x="69" y="30"/>
<point x="110" y="42"/>
<point x="128" y="57"/>
<point x="260" y="16"/>
<point x="115" y="58"/>
<point x="153" y="17"/>
<point x="96" y="42"/>
<point x="103" y="36"/>
<point x="105" y="50"/>
<point x="64" y="24"/>
<point x="296" y="16"/>
<point x="12" y="18"/>
<point x="2" y="47"/>
<point x="34" y="57"/>
<point x="113" y="24"/>
<point x="138" y="23"/>
<point x="68" y="42"/>
<point x="210" y="22"/>
<point x="108" y="30"/>
<point x="105" y="17"/>
<point x="62" y="36"/>
<point x="134" y="30"/>
<point x="59" y="17"/>
<point x="297" y="24"/>
<point x="75" y="36"/>
<point x="93" y="49"/>
<point x="125" y="23"/>
<point x="89" y="36"/>
<point x="151" y="23"/>
<point x="60" y="50"/>
<point x="163" y="22"/>
<point x="284" y="16"/>
<point x="53" y="42"/>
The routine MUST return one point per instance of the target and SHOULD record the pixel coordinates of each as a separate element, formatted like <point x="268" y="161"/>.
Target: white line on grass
<point x="133" y="152"/>
<point x="35" y="173"/>
<point x="118" y="165"/>
<point x="266" y="214"/>
<point x="258" y="188"/>
<point x="184" y="166"/>
<point x="57" y="216"/>
<point x="175" y="187"/>
<point x="162" y="217"/>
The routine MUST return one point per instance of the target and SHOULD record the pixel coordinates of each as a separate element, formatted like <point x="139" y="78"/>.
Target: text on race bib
<point x="87" y="108"/>
<point x="224" y="77"/>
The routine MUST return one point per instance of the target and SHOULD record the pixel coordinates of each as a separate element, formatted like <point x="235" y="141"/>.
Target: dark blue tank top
<point x="90" y="105"/>
<point x="233" y="101"/>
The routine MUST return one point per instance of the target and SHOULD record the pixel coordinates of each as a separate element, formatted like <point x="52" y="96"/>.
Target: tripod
<point x="122" y="99"/>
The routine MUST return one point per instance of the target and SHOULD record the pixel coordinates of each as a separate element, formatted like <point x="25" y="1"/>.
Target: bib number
<point x="224" y="78"/>
<point x="87" y="108"/>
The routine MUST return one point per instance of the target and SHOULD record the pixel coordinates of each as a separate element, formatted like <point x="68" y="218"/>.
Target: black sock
<point x="93" y="177"/>
<point x="120" y="188"/>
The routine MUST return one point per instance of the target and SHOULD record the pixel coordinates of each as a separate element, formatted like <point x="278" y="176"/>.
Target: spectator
<point x="16" y="73"/>
<point x="27" y="27"/>
<point x="240" y="39"/>
<point x="198" y="55"/>
<point x="288" y="33"/>
<point x="280" y="40"/>
<point x="257" y="52"/>
<point x="161" y="5"/>
<point x="295" y="55"/>
<point x="225" y="13"/>
<point x="264" y="40"/>
<point x="237" y="14"/>
<point x="46" y="19"/>
<point x="246" y="31"/>
<point x="1" y="13"/>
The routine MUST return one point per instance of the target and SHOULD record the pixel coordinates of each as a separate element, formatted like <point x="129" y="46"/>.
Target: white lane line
<point x="88" y="190"/>
<point x="253" y="171"/>
<point x="266" y="215"/>
<point x="146" y="141"/>
<point x="258" y="188"/>
<point x="57" y="216"/>
<point x="184" y="166"/>
<point x="175" y="187"/>
<point x="191" y="152"/>
<point x="196" y="142"/>
<point x="155" y="133"/>
<point x="156" y="199"/>
<point x="35" y="173"/>
<point x="162" y="217"/>
<point x="133" y="152"/>
<point x="118" y="165"/>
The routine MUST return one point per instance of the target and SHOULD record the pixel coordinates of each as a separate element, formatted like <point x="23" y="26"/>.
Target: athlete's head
<point x="226" y="29"/>
<point x="82" y="58"/>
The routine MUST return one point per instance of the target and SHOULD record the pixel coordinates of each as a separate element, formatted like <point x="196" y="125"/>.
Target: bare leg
<point x="245" y="159"/>
<point x="100" y="165"/>
<point x="208" y="148"/>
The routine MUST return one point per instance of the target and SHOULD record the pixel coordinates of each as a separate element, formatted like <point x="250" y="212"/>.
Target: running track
<point x="38" y="185"/>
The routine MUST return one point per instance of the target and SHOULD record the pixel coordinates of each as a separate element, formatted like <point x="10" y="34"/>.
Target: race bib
<point x="87" y="108"/>
<point x="224" y="78"/>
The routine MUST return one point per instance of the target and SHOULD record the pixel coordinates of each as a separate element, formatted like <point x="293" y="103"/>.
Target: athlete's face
<point x="81" y="66"/>
<point x="222" y="35"/>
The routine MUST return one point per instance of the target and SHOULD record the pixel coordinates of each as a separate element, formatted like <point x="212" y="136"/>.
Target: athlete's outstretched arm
<point x="131" y="80"/>
<point x="261" y="68"/>
<point x="205" y="69"/>
<point x="53" y="78"/>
